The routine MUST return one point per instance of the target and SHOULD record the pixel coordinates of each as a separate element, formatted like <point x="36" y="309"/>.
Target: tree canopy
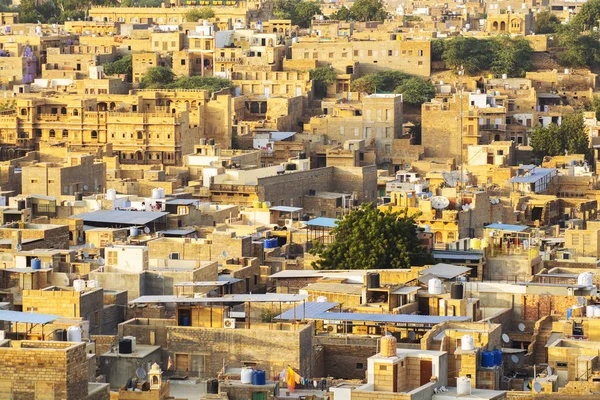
<point x="322" y="77"/>
<point x="368" y="238"/>
<point x="119" y="67"/>
<point x="199" y="13"/>
<point x="588" y="16"/>
<point x="163" y="78"/>
<point x="546" y="22"/>
<point x="570" y="136"/>
<point x="511" y="56"/>
<point x="368" y="10"/>
<point x="415" y="91"/>
<point x="300" y="12"/>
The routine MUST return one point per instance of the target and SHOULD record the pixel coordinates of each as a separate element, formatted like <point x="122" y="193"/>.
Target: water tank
<point x="487" y="359"/>
<point x="79" y="285"/>
<point x="78" y="196"/>
<point x="111" y="194"/>
<point x="155" y="194"/>
<point x="585" y="279"/>
<point x="246" y="375"/>
<point x="256" y="204"/>
<point x="212" y="386"/>
<point x="133" y="341"/>
<point x="596" y="312"/>
<point x="463" y="386"/>
<point x="373" y="280"/>
<point x="323" y="299"/>
<point x="93" y="284"/>
<point x="475" y="243"/>
<point x="74" y="334"/>
<point x="467" y="342"/>
<point x="569" y="313"/>
<point x="125" y="346"/>
<point x="59" y="335"/>
<point x="36" y="263"/>
<point x="504" y="76"/>
<point x="259" y="377"/>
<point x="265" y="205"/>
<point x="388" y="346"/>
<point x="589" y="311"/>
<point x="457" y="291"/>
<point x="161" y="193"/>
<point x="20" y="205"/>
<point x="270" y="243"/>
<point x="133" y="231"/>
<point x="497" y="357"/>
<point x="435" y="286"/>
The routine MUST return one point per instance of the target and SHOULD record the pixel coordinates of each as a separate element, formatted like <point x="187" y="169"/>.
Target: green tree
<point x="28" y="12"/>
<point x="199" y="13"/>
<point x="383" y="81"/>
<point x="588" y="16"/>
<point x="120" y="66"/>
<point x="156" y="78"/>
<point x="8" y="105"/>
<point x="365" y="84"/>
<point x="578" y="50"/>
<point x="304" y="13"/>
<point x="546" y="22"/>
<point x="212" y="84"/>
<point x="438" y="46"/>
<point x="469" y="54"/>
<point x="343" y="14"/>
<point x="368" y="238"/>
<point x="511" y="56"/>
<point x="322" y="77"/>
<point x="368" y="10"/>
<point x="570" y="136"/>
<point x="416" y="91"/>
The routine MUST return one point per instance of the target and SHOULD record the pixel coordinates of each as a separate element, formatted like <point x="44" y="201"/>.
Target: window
<point x="390" y="53"/>
<point x="113" y="257"/>
<point x="575" y="240"/>
<point x="587" y="240"/>
<point x="182" y="62"/>
<point x="383" y="367"/>
<point x="95" y="135"/>
<point x="359" y="365"/>
<point x="174" y="256"/>
<point x="139" y="135"/>
<point x="97" y="318"/>
<point x="420" y="53"/>
<point x="65" y="133"/>
<point x="330" y="55"/>
<point x="370" y="53"/>
<point x="355" y="53"/>
<point x="38" y="133"/>
<point x="51" y="133"/>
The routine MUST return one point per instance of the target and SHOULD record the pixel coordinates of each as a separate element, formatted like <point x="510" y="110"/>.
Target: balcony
<point x="233" y="188"/>
<point x="235" y="60"/>
<point x="492" y="127"/>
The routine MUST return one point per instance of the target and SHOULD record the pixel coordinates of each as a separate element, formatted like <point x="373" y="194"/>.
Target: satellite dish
<point x="146" y="230"/>
<point x="92" y="245"/>
<point x="549" y="370"/>
<point x="100" y="261"/>
<point x="581" y="301"/>
<point x="537" y="387"/>
<point x="19" y="247"/>
<point x="268" y="203"/>
<point x="224" y="253"/>
<point x="85" y="187"/>
<point x="85" y="254"/>
<point x="412" y="335"/>
<point x="453" y="177"/>
<point x="521" y="327"/>
<point x="505" y="338"/>
<point x="514" y="359"/>
<point x="439" y="202"/>
<point x="140" y="373"/>
<point x="465" y="207"/>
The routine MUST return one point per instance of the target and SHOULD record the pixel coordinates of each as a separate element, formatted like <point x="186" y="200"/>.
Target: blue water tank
<point x="36" y="263"/>
<point x="185" y="320"/>
<point x="259" y="377"/>
<point x="497" y="357"/>
<point x="270" y="243"/>
<point x="569" y="313"/>
<point x="487" y="359"/>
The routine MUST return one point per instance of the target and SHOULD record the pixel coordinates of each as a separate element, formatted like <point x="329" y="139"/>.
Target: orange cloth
<point x="291" y="379"/>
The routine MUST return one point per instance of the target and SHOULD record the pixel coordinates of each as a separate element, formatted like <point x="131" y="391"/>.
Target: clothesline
<point x="292" y="378"/>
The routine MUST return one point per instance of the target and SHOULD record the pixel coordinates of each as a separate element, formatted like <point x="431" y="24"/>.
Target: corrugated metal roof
<point x="26" y="317"/>
<point x="306" y="310"/>
<point x="406" y="290"/>
<point x="446" y="271"/>
<point x="534" y="175"/>
<point x="121" y="217"/>
<point x="391" y="318"/>
<point x="286" y="209"/>
<point x="322" y="222"/>
<point x="457" y="255"/>
<point x="232" y="298"/>
<point x="506" y="227"/>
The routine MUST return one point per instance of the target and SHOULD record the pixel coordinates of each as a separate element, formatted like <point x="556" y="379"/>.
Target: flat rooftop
<point x="141" y="351"/>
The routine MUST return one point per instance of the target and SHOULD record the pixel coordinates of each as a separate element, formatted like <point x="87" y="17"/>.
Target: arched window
<point x="23" y="111"/>
<point x="65" y="133"/>
<point x="76" y="112"/>
<point x="94" y="135"/>
<point x="140" y="135"/>
<point x="63" y="110"/>
<point x="52" y="134"/>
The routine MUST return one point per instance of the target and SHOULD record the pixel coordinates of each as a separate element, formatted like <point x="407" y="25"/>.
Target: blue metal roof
<point x="507" y="227"/>
<point x="535" y="174"/>
<point x="307" y="310"/>
<point x="322" y="222"/>
<point x="26" y="317"/>
<point x="391" y="318"/>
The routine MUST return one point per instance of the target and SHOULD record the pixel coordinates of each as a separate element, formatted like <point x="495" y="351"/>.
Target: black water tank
<point x="457" y="291"/>
<point x="373" y="280"/>
<point x="212" y="386"/>
<point x="20" y="205"/>
<point x="125" y="346"/>
<point x="78" y="196"/>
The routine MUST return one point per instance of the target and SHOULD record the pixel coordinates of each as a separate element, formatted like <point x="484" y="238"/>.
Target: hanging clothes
<point x="291" y="379"/>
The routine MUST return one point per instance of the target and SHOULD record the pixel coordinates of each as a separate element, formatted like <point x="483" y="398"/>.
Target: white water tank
<point x="93" y="284"/>
<point x="155" y="194"/>
<point x="589" y="311"/>
<point x="467" y="342"/>
<point x="246" y="375"/>
<point x="463" y="386"/>
<point x="596" y="312"/>
<point x="435" y="286"/>
<point x="74" y="334"/>
<point x="585" y="279"/>
<point x="322" y="299"/>
<point x="133" y="231"/>
<point x="79" y="285"/>
<point x="161" y="192"/>
<point x="133" y="340"/>
<point x="111" y="194"/>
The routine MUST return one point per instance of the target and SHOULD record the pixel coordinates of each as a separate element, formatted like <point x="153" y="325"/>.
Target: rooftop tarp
<point x="121" y="217"/>
<point x="390" y="318"/>
<point x="506" y="227"/>
<point x="26" y="317"/>
<point x="322" y="222"/>
<point x="232" y="298"/>
<point x="286" y="209"/>
<point x="306" y="310"/>
<point x="446" y="271"/>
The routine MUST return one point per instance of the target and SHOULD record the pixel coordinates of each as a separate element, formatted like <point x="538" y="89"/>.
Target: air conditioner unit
<point x="229" y="323"/>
